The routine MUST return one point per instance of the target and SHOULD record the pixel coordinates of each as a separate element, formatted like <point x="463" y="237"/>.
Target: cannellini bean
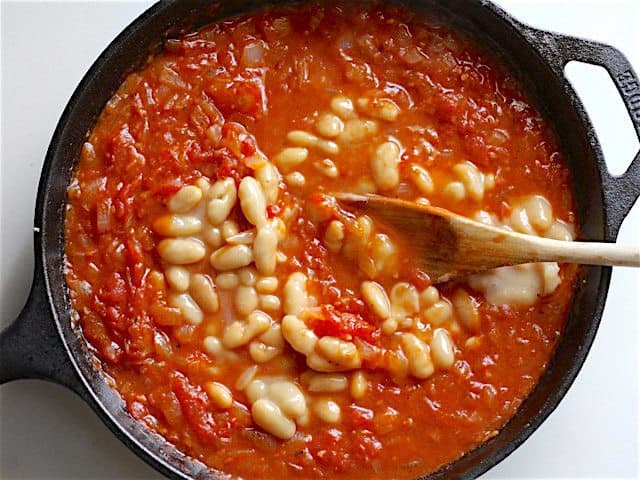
<point x="213" y="236"/>
<point x="438" y="313"/>
<point x="295" y="180"/>
<point x="301" y="338"/>
<point x="248" y="276"/>
<point x="418" y="356"/>
<point x="295" y="293"/>
<point x="327" y="410"/>
<point x="246" y="377"/>
<point x="327" y="382"/>
<point x="241" y="333"/>
<point x="288" y="397"/>
<point x="242" y="238"/>
<point x="405" y="299"/>
<point x="267" y="284"/>
<point x="203" y="292"/>
<point x="231" y="257"/>
<point x="442" y="349"/>
<point x="203" y="184"/>
<point x="181" y="251"/>
<point x="177" y="225"/>
<point x="329" y="125"/>
<point x="223" y="196"/>
<point x="268" y="346"/>
<point x="306" y="139"/>
<point x="455" y="191"/>
<point x="219" y="394"/>
<point x="177" y="278"/>
<point x="255" y="161"/>
<point x="265" y="248"/>
<point x="389" y="326"/>
<point x="185" y="199"/>
<point x="270" y="418"/>
<point x="229" y="229"/>
<point x="214" y="134"/>
<point x="382" y="108"/>
<point x="327" y="167"/>
<point x="227" y="281"/>
<point x="253" y="201"/>
<point x="383" y="253"/>
<point x="246" y="300"/>
<point x="384" y="166"/>
<point x="270" y="303"/>
<point x="519" y="221"/>
<point x="560" y="230"/>
<point x="376" y="299"/>
<point x="422" y="179"/>
<point x="212" y="345"/>
<point x="339" y="352"/>
<point x="356" y="130"/>
<point x="290" y="158"/>
<point x="189" y="309"/>
<point x="429" y="296"/>
<point x="317" y="362"/>
<point x="256" y="390"/>
<point x="539" y="212"/>
<point x="359" y="385"/>
<point x="425" y="202"/>
<point x="472" y="178"/>
<point x="489" y="181"/>
<point x="364" y="186"/>
<point x="334" y="236"/>
<point x="343" y="106"/>
<point x="269" y="179"/>
<point x="467" y="309"/>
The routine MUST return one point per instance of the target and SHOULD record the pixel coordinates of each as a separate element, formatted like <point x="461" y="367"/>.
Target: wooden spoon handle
<point x="589" y="253"/>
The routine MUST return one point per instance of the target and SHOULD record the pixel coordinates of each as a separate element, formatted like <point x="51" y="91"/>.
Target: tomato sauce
<point x="236" y="89"/>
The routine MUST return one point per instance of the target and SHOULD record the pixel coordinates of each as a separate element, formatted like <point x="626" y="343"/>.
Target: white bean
<point x="418" y="356"/>
<point x="213" y="236"/>
<point x="269" y="179"/>
<point x="382" y="108"/>
<point x="246" y="300"/>
<point x="246" y="377"/>
<point x="405" y="300"/>
<point x="267" y="284"/>
<point x="329" y="125"/>
<point x="229" y="229"/>
<point x="455" y="191"/>
<point x="223" y="196"/>
<point x="295" y="293"/>
<point x="359" y="385"/>
<point x="185" y="199"/>
<point x="356" y="130"/>
<point x="339" y="352"/>
<point x="472" y="178"/>
<point x="269" y="303"/>
<point x="253" y="201"/>
<point x="189" y="309"/>
<point x="290" y="158"/>
<point x="376" y="299"/>
<point x="270" y="418"/>
<point x="301" y="338"/>
<point x="442" y="349"/>
<point x="288" y="397"/>
<point x="295" y="180"/>
<point x="177" y="225"/>
<point x="248" y="276"/>
<point x="306" y="139"/>
<point x="327" y="382"/>
<point x="334" y="236"/>
<point x="466" y="309"/>
<point x="242" y="238"/>
<point x="177" y="278"/>
<point x="212" y="345"/>
<point x="219" y="394"/>
<point x="343" y="106"/>
<point x="240" y="333"/>
<point x="203" y="292"/>
<point x="384" y="166"/>
<point x="327" y="167"/>
<point x="181" y="251"/>
<point x="227" y="281"/>
<point x="438" y="313"/>
<point x="231" y="257"/>
<point x="539" y="212"/>
<point x="327" y="410"/>
<point x="265" y="248"/>
<point x="422" y="179"/>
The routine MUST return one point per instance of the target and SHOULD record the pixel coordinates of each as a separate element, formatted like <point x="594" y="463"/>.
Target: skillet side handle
<point x="620" y="192"/>
<point x="31" y="348"/>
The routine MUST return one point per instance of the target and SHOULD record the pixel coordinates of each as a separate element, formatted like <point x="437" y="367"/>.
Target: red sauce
<point x="458" y="103"/>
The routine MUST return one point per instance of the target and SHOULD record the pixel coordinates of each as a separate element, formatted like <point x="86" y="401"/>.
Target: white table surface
<point x="48" y="433"/>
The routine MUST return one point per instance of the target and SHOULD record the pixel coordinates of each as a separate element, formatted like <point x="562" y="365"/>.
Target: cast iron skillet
<point x="44" y="343"/>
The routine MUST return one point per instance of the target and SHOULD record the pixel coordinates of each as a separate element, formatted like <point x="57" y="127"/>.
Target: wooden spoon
<point x="449" y="245"/>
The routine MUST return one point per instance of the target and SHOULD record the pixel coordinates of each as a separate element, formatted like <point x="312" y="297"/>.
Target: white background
<point x="46" y="432"/>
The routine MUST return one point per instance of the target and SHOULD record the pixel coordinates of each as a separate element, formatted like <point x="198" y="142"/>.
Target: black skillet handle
<point x="622" y="191"/>
<point x="32" y="348"/>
